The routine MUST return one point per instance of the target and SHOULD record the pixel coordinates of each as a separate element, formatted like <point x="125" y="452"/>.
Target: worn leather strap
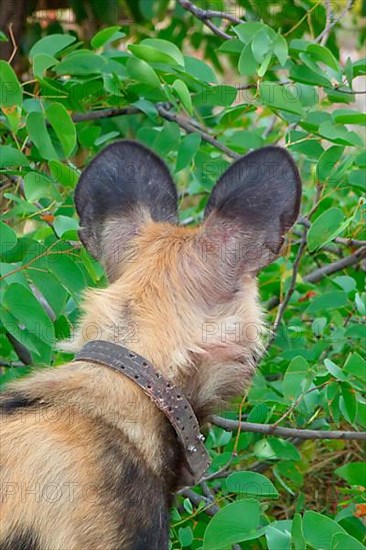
<point x="167" y="397"/>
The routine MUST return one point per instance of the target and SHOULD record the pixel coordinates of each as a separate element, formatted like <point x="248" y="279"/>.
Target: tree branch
<point x="318" y="274"/>
<point x="106" y="113"/>
<point x="348" y="261"/>
<point x="189" y="126"/>
<point x="268" y="429"/>
<point x="330" y="24"/>
<point x="206" y="15"/>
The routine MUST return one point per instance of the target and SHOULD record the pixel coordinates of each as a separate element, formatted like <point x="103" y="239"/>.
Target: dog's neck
<point x="210" y="362"/>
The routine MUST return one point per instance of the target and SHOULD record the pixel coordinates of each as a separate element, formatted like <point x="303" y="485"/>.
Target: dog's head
<point x="184" y="297"/>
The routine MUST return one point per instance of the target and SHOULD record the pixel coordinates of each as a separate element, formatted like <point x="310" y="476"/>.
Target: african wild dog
<point x="87" y="460"/>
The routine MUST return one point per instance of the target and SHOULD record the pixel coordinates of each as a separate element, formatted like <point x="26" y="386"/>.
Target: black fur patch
<point x="138" y="498"/>
<point x="21" y="540"/>
<point x="12" y="402"/>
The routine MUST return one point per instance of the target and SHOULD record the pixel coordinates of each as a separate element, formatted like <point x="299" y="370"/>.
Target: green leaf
<point x="246" y="31"/>
<point x="325" y="228"/>
<point x="297" y="378"/>
<point x="66" y="175"/>
<point x="8" y="238"/>
<point x="63" y="224"/>
<point x="279" y="538"/>
<point x="183" y="93"/>
<point x="338" y="133"/>
<point x="247" y="64"/>
<point x="321" y="53"/>
<point x="261" y="45"/>
<point x="216" y="95"/>
<point x="357" y="178"/>
<point x="67" y="272"/>
<point x="52" y="44"/>
<point x="64" y="127"/>
<point x="105" y="36"/>
<point x="354" y="473"/>
<point x="343" y="541"/>
<point x="10" y="157"/>
<point x="251" y="483"/>
<point x="234" y="523"/>
<point x="168" y="139"/>
<point x="297" y="533"/>
<point x="187" y="150"/>
<point x="41" y="63"/>
<point x="38" y="133"/>
<point x="139" y="70"/>
<point x="280" y="97"/>
<point x="187" y="504"/>
<point x="274" y="448"/>
<point x="81" y="63"/>
<point x="348" y="402"/>
<point x="281" y="49"/>
<point x="37" y="186"/>
<point x="301" y="73"/>
<point x="28" y="312"/>
<point x="11" y="94"/>
<point x="328" y="301"/>
<point x="199" y="69"/>
<point x="49" y="287"/>
<point x="185" y="535"/>
<point x="328" y="161"/>
<point x="348" y="71"/>
<point x="167" y="47"/>
<point x="334" y="370"/>
<point x="148" y="108"/>
<point x="355" y="368"/>
<point x="265" y="64"/>
<point x="244" y="140"/>
<point x="151" y="55"/>
<point x="319" y="530"/>
<point x="348" y="116"/>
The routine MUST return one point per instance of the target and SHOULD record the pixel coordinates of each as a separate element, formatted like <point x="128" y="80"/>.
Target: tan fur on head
<point x="168" y="306"/>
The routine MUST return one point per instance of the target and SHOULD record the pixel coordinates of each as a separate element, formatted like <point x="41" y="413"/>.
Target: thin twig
<point x="328" y="21"/>
<point x="13" y="41"/>
<point x="206" y="15"/>
<point x="330" y="24"/>
<point x="291" y="290"/>
<point x="350" y="242"/>
<point x="11" y="364"/>
<point x="272" y="429"/>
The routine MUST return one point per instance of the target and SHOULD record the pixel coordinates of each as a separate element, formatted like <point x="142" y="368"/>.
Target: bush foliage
<point x="200" y="96"/>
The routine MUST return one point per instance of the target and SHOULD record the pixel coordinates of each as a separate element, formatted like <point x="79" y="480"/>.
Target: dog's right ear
<point x="122" y="188"/>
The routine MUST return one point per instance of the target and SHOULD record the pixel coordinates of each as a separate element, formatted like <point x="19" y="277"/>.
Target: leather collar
<point x="167" y="397"/>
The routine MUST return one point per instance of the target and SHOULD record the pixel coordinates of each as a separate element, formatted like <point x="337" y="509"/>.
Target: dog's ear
<point x="124" y="186"/>
<point x="252" y="206"/>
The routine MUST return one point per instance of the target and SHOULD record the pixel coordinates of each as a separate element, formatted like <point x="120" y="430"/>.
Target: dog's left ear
<point x="252" y="206"/>
<point x="122" y="188"/>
